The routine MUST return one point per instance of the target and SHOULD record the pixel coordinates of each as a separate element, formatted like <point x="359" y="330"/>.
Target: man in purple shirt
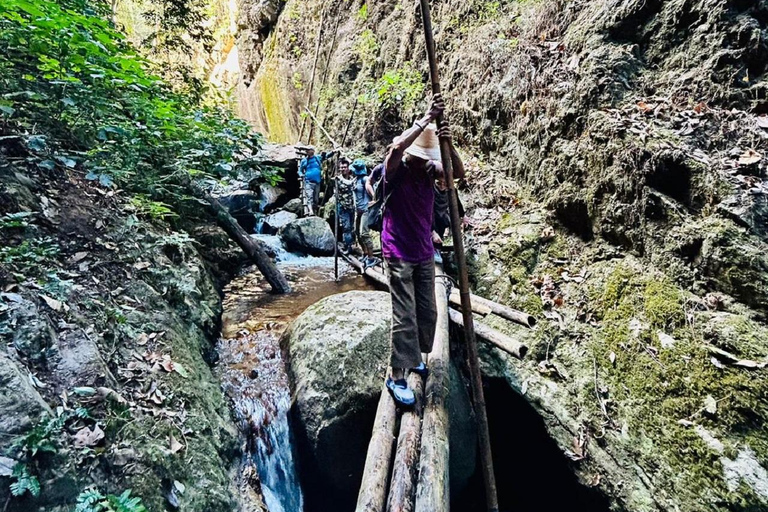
<point x="410" y="171"/>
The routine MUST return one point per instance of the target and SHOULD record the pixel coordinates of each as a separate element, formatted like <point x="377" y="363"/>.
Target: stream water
<point x="254" y="374"/>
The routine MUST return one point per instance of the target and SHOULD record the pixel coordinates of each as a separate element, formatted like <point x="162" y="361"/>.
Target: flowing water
<point x="254" y="374"/>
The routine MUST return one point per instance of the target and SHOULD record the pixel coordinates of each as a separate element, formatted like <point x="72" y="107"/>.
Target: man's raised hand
<point x="437" y="107"/>
<point x="444" y="132"/>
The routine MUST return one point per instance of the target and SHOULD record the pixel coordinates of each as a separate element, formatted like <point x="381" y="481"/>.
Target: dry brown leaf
<point x="86" y="437"/>
<point x="700" y="107"/>
<point x="750" y="157"/>
<point x="645" y="107"/>
<point x="52" y="303"/>
<point x="175" y="445"/>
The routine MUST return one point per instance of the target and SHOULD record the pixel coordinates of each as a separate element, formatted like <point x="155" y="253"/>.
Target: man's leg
<point x="405" y="335"/>
<point x="426" y="309"/>
<point x="365" y="234"/>
<point x="316" y="196"/>
<point x="347" y="226"/>
<point x="308" y="198"/>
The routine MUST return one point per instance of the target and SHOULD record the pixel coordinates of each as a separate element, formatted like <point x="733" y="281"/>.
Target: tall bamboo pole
<point x="336" y="219"/>
<point x="466" y="302"/>
<point x="314" y="66"/>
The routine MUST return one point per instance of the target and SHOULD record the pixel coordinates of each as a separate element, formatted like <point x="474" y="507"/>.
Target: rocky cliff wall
<point x="617" y="189"/>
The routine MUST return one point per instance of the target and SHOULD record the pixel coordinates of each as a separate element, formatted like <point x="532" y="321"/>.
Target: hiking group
<point x="406" y="198"/>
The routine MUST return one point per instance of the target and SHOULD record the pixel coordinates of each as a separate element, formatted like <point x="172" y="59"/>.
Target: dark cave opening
<point x="532" y="473"/>
<point x="671" y="177"/>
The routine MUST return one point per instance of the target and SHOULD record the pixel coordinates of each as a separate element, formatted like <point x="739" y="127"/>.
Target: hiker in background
<point x="410" y="171"/>
<point x="345" y="204"/>
<point x="310" y="172"/>
<point x="373" y="180"/>
<point x="362" y="198"/>
<point x="442" y="217"/>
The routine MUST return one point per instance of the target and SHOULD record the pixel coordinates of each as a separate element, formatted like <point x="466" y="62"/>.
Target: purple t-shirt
<point x="407" y="229"/>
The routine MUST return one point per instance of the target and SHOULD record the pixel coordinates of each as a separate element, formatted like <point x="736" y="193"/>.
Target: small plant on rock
<point x="92" y="500"/>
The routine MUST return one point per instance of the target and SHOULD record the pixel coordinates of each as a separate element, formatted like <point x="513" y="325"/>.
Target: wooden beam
<point x="493" y="336"/>
<point x="501" y="310"/>
<point x="433" y="490"/>
<point x="406" y="464"/>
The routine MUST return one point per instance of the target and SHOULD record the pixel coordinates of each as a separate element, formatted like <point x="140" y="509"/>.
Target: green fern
<point x="91" y="500"/>
<point x="24" y="481"/>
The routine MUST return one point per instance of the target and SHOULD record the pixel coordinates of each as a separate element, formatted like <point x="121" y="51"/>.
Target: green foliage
<point x="400" y="87"/>
<point x="43" y="437"/>
<point x="153" y="209"/>
<point x="362" y="13"/>
<point x="83" y="97"/>
<point x="14" y="220"/>
<point x="31" y="257"/>
<point x="91" y="500"/>
<point x="367" y="48"/>
<point x="23" y="481"/>
<point x="298" y="83"/>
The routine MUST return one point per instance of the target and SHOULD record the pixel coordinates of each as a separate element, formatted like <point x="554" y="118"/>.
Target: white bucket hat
<point x="427" y="145"/>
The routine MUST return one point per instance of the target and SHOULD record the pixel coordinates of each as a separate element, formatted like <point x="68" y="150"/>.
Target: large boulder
<point x="274" y="222"/>
<point x="338" y="351"/>
<point x="310" y="235"/>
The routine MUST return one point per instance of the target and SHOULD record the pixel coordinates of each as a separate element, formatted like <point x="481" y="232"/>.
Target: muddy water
<point x="254" y="374"/>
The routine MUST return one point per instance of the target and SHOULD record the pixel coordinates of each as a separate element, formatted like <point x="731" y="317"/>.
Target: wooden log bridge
<point x="406" y="467"/>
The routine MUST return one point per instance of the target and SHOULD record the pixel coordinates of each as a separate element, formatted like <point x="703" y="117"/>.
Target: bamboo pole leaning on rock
<point x="252" y="248"/>
<point x="378" y="462"/>
<point x="402" y="488"/>
<point x="432" y="490"/>
<point x="502" y="341"/>
<point x="477" y="307"/>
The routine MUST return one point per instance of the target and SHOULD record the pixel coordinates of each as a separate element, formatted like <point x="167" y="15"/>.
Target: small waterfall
<point x="292" y="259"/>
<point x="274" y="455"/>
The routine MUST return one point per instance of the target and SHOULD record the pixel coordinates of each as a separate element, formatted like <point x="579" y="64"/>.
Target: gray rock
<point x="33" y="334"/>
<point x="78" y="362"/>
<point x="338" y="349"/>
<point x="274" y="222"/>
<point x="311" y="235"/>
<point x="294" y="206"/>
<point x="749" y="209"/>
<point x="21" y="404"/>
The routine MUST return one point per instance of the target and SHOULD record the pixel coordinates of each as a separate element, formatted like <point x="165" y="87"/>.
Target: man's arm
<point x="404" y="141"/>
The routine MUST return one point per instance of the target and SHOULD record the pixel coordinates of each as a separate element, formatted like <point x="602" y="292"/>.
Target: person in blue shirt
<point x="310" y="172"/>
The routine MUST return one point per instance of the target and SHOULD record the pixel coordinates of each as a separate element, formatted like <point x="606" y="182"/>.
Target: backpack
<point x="378" y="207"/>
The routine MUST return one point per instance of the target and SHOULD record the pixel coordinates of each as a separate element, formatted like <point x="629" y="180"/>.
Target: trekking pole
<point x="336" y="219"/>
<point x="466" y="303"/>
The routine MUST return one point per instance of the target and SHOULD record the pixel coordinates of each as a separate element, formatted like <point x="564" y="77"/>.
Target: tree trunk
<point x="403" y="486"/>
<point x="253" y="248"/>
<point x="373" y="488"/>
<point x="433" y="491"/>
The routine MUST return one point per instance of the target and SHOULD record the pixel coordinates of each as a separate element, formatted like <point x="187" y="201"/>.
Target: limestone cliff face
<point x="617" y="189"/>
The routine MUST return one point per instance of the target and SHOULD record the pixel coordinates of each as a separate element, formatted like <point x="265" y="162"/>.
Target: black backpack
<point x="378" y="207"/>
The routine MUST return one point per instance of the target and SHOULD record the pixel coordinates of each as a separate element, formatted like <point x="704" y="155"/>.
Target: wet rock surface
<point x="310" y="235"/>
<point x="338" y="349"/>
